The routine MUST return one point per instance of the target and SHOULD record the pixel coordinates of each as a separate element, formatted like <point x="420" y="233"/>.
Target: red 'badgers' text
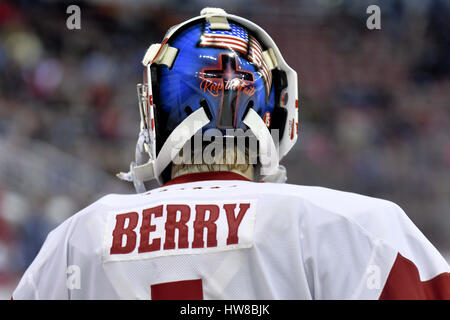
<point x="181" y="226"/>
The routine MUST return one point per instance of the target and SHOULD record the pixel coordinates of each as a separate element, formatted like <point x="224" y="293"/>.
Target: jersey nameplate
<point x="178" y="228"/>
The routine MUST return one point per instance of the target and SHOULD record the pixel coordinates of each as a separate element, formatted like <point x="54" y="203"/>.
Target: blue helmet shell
<point x="218" y="78"/>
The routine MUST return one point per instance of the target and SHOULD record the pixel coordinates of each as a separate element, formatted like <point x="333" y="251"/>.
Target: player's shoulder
<point x="99" y="209"/>
<point x="364" y="211"/>
<point x="327" y="199"/>
<point x="332" y="199"/>
<point x="92" y="215"/>
<point x="321" y="203"/>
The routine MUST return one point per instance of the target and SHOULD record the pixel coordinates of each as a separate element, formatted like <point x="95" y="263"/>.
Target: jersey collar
<point x="206" y="176"/>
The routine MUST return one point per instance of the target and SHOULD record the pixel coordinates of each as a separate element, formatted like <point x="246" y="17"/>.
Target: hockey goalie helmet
<point x="215" y="71"/>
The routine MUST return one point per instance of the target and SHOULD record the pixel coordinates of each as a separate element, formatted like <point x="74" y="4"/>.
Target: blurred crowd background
<point x="374" y="105"/>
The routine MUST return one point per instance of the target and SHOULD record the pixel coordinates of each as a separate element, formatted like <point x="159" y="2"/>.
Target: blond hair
<point x="230" y="160"/>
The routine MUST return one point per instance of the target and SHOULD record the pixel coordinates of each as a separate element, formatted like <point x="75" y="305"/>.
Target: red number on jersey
<point x="178" y="290"/>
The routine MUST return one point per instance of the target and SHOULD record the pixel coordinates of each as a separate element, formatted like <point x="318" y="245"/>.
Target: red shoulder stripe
<point x="404" y="283"/>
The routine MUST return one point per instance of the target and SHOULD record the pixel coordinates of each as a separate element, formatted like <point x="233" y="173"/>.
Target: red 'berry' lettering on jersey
<point x="179" y="226"/>
<point x="148" y="227"/>
<point x="200" y="224"/>
<point x="233" y="221"/>
<point x="172" y="224"/>
<point x="128" y="232"/>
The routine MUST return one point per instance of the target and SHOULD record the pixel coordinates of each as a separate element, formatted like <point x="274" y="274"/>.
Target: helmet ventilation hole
<point x="249" y="106"/>
<point x="204" y="104"/>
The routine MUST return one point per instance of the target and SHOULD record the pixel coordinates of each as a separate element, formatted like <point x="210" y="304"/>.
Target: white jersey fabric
<point x="226" y="238"/>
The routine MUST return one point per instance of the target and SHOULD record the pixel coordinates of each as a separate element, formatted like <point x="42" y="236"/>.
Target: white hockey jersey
<point x="215" y="236"/>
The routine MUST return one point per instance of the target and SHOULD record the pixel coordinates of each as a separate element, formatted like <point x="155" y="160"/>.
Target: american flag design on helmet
<point x="239" y="40"/>
<point x="255" y="56"/>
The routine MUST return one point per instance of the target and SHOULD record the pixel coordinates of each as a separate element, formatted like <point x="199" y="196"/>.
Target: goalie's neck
<point x="206" y="176"/>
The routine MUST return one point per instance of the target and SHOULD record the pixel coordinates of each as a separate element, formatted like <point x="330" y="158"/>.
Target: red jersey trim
<point x="206" y="176"/>
<point x="404" y="283"/>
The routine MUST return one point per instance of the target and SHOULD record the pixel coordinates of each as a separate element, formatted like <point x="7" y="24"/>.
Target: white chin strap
<point x="268" y="155"/>
<point x="269" y="169"/>
<point x="152" y="169"/>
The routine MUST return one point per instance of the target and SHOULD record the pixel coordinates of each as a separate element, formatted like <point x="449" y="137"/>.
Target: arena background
<point x="374" y="105"/>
